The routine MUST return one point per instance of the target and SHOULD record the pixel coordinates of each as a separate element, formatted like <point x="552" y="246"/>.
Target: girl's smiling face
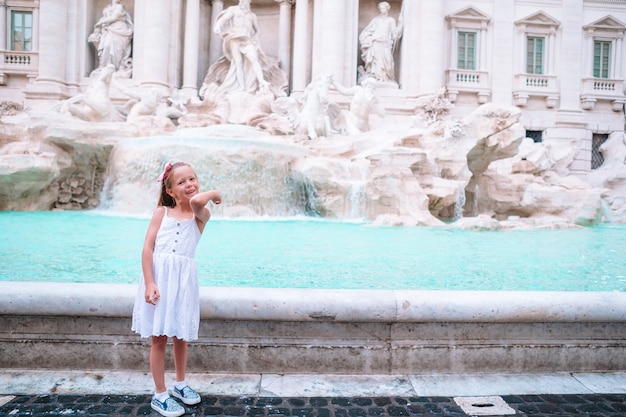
<point x="183" y="183"/>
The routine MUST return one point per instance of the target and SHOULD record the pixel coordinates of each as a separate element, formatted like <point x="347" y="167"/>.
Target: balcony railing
<point x="468" y="81"/>
<point x="595" y="89"/>
<point x="535" y="85"/>
<point x="606" y="1"/>
<point x="16" y="62"/>
<point x="603" y="87"/>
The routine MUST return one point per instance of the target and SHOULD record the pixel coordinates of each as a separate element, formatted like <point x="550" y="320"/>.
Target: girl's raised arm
<point x="198" y="203"/>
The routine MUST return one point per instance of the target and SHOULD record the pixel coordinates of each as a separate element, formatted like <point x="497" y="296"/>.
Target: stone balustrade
<point x="14" y="62"/>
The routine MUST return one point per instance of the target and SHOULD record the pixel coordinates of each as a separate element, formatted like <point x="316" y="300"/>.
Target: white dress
<point x="175" y="274"/>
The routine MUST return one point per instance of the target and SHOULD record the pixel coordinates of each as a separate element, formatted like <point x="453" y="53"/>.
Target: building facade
<point x="562" y="62"/>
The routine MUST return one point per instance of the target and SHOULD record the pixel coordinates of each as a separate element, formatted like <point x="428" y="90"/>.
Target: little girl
<point x="167" y="303"/>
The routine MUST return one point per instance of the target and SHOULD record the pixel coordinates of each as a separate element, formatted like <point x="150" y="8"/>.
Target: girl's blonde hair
<point x="166" y="182"/>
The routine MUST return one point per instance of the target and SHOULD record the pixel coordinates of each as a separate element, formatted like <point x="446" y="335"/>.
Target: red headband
<point x="167" y="169"/>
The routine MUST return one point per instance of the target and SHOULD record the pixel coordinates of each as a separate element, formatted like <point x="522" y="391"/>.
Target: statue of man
<point x="239" y="29"/>
<point x="241" y="85"/>
<point x="112" y="37"/>
<point x="378" y="41"/>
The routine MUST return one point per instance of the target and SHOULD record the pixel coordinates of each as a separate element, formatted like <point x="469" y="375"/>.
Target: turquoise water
<point x="92" y="247"/>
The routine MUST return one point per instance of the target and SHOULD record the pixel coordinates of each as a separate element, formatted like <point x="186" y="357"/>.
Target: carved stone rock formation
<point x="432" y="173"/>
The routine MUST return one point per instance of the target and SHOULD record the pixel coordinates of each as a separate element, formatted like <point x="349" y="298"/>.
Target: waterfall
<point x="606" y="215"/>
<point x="460" y="203"/>
<point x="357" y="196"/>
<point x="357" y="199"/>
<point x="251" y="170"/>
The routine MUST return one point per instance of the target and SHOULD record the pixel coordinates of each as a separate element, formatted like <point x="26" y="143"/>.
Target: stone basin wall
<point x="252" y="330"/>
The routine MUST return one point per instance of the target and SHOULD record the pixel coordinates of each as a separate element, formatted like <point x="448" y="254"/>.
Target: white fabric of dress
<point x="177" y="313"/>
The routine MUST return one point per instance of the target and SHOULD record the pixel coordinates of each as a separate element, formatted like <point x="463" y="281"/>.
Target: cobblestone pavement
<point x="591" y="405"/>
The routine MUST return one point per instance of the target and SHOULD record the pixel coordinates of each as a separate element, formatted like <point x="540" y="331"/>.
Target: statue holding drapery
<point x="112" y="37"/>
<point x="378" y="41"/>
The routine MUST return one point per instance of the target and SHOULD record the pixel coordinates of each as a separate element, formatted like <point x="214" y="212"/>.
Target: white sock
<point x="162" y="396"/>
<point x="180" y="384"/>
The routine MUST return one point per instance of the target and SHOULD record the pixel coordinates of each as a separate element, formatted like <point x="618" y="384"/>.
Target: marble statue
<point x="313" y="118"/>
<point x="150" y="107"/>
<point x="378" y="41"/>
<point x="243" y="67"/>
<point x="112" y="37"/>
<point x="241" y="86"/>
<point x="94" y="105"/>
<point x="363" y="104"/>
<point x="239" y="30"/>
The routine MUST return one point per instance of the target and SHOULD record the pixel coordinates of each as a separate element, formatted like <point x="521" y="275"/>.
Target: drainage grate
<point x="484" y="406"/>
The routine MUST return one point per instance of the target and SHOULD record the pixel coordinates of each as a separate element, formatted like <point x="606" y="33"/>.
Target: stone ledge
<point x="287" y="304"/>
<point x="288" y="331"/>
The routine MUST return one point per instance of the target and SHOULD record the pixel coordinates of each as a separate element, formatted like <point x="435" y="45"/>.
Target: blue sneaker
<point x="186" y="395"/>
<point x="167" y="408"/>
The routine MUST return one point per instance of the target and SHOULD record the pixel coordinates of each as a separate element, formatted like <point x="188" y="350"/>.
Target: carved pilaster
<point x="301" y="48"/>
<point x="215" y="43"/>
<point x="284" y="35"/>
<point x="192" y="33"/>
<point x="3" y="16"/>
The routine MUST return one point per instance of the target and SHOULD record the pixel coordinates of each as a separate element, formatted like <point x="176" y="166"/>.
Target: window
<point x="535" y="135"/>
<point x="466" y="65"/>
<point x="601" y="59"/>
<point x="534" y="55"/>
<point x="597" y="159"/>
<point x="21" y="31"/>
<point x="466" y="57"/>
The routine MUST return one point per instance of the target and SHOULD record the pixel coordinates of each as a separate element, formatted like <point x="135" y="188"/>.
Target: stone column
<point x="301" y="47"/>
<point x="617" y="61"/>
<point x="408" y="77"/>
<point x="335" y="43"/>
<point x="3" y="18"/>
<point x="454" y="46"/>
<point x="520" y="45"/>
<point x="501" y="70"/>
<point x="3" y="38"/>
<point x="551" y="47"/>
<point x="73" y="42"/>
<point x="215" y="44"/>
<point x="570" y="120"/>
<point x="284" y="36"/>
<point x="156" y="39"/>
<point x="482" y="56"/>
<point x="570" y="55"/>
<point x="52" y="53"/>
<point x="35" y="26"/>
<point x="351" y="47"/>
<point x="587" y="69"/>
<point x="191" y="48"/>
<point x="423" y="46"/>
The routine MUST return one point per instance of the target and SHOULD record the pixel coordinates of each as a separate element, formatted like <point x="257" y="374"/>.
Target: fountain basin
<point x="261" y="330"/>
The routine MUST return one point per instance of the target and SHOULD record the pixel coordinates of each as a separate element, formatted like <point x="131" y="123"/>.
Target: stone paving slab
<point x="37" y="382"/>
<point x="593" y="405"/>
<point x="95" y="394"/>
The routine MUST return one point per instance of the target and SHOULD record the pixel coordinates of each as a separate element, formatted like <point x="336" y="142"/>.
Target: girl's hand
<point x="152" y="294"/>
<point x="217" y="198"/>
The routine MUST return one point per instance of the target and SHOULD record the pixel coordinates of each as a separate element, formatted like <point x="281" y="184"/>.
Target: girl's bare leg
<point x="180" y="358"/>
<point x="157" y="362"/>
